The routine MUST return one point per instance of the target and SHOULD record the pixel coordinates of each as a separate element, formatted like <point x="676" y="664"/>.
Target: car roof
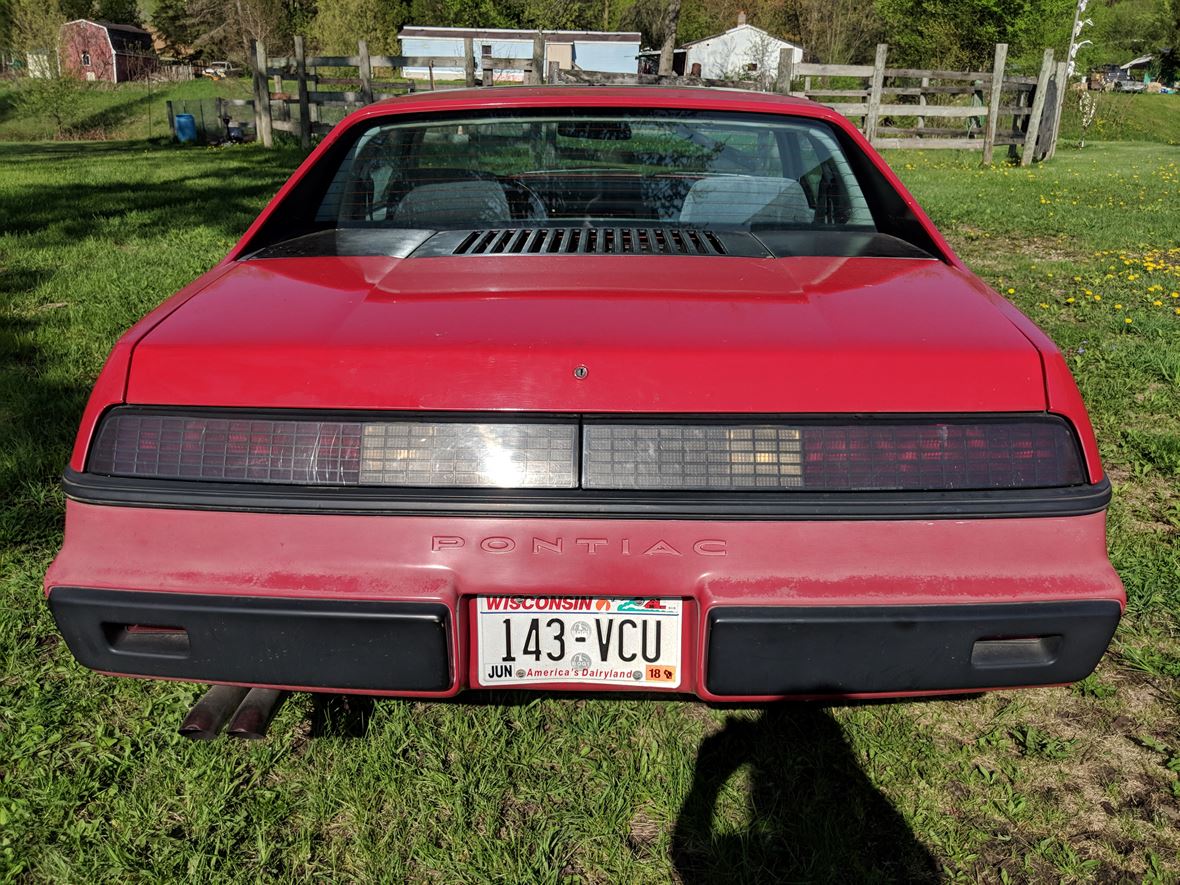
<point x="694" y="97"/>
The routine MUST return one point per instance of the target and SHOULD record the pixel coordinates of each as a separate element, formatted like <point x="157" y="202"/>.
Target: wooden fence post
<point x="786" y="71"/>
<point x="261" y="97"/>
<point x="922" y="101"/>
<point x="304" y="100"/>
<point x="1038" y="108"/>
<point x="878" y="81"/>
<point x="469" y="61"/>
<point x="537" y="74"/>
<point x="487" y="72"/>
<point x="171" y="119"/>
<point x="1062" y="78"/>
<point x="1018" y="121"/>
<point x="554" y="73"/>
<point x="366" y="72"/>
<point x="993" y="104"/>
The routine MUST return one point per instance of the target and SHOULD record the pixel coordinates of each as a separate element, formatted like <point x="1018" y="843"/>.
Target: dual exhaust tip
<point x="248" y="711"/>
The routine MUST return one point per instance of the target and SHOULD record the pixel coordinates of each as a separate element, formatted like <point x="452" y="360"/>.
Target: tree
<point x="338" y="24"/>
<point x="121" y="12"/>
<point x="34" y="27"/>
<point x="667" y="50"/>
<point x="170" y="19"/>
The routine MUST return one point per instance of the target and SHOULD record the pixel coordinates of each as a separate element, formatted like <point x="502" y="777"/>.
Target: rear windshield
<point x="697" y="171"/>
<point x="762" y="184"/>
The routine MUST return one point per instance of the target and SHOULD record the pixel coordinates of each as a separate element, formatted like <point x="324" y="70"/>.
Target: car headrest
<point x="453" y="202"/>
<point x="746" y="199"/>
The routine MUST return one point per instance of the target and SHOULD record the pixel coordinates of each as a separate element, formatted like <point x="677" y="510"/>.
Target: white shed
<point x="742" y="52"/>
<point x="613" y="51"/>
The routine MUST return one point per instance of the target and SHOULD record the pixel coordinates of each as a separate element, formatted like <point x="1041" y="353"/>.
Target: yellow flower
<point x="1043" y="305"/>
<point x="1097" y="297"/>
<point x="1127" y="320"/>
<point x="1070" y="300"/>
<point x="1011" y="291"/>
<point x="1158" y="303"/>
<point x="1118" y="307"/>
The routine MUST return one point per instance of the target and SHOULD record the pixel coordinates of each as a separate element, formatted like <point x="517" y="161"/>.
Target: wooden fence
<point x="307" y="95"/>
<point x="915" y="108"/>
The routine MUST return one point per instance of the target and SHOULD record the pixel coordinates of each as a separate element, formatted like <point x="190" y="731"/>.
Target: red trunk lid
<point x="655" y="333"/>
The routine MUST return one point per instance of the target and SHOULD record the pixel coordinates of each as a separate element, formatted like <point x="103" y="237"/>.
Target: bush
<point x="56" y="99"/>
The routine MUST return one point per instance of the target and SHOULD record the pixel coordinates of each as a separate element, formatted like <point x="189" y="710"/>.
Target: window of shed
<point x="86" y="58"/>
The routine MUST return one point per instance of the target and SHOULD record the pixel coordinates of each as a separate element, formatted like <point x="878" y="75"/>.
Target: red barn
<point x="98" y="50"/>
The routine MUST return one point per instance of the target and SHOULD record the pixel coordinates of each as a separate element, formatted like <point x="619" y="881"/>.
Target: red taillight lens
<point x="228" y="449"/>
<point x="993" y="455"/>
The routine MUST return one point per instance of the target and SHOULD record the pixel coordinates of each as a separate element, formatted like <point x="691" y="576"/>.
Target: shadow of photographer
<point x="814" y="816"/>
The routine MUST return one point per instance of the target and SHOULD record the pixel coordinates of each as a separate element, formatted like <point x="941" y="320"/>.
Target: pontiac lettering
<point x="557" y="544"/>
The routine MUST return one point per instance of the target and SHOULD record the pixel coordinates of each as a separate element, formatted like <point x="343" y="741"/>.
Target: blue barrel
<point x="186" y="129"/>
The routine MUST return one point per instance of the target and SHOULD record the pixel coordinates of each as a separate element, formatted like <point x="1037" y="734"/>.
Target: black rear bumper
<point x="749" y="651"/>
<point x="833" y="650"/>
<point x="305" y="643"/>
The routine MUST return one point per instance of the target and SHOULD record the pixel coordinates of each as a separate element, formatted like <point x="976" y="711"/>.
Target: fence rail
<point x="971" y="110"/>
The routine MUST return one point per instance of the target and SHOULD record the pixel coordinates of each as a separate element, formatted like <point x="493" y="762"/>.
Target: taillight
<point x="348" y="453"/>
<point x="868" y="454"/>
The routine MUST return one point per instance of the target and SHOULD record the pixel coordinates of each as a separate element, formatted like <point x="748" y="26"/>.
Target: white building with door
<point x="743" y="52"/>
<point x="612" y="51"/>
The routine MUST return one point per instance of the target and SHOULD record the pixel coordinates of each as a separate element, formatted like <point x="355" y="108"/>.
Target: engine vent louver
<point x="590" y="241"/>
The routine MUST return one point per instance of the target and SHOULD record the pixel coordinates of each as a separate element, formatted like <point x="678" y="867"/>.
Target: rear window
<point x="629" y="180"/>
<point x="724" y="172"/>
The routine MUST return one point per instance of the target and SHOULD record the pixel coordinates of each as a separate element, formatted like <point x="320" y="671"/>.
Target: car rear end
<point x="634" y="424"/>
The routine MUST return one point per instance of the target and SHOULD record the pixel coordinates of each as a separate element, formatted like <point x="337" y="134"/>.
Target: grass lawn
<point x="1050" y="784"/>
<point x="102" y="111"/>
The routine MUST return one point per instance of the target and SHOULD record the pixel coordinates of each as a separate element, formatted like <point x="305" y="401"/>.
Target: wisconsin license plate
<point x="580" y="640"/>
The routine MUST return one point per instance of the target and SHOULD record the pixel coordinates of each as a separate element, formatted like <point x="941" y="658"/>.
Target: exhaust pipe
<point x="211" y="711"/>
<point x="252" y="718"/>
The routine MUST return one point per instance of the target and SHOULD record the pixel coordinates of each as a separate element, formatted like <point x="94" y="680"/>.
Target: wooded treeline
<point x="953" y="34"/>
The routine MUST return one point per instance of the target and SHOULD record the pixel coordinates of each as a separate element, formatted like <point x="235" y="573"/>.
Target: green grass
<point x="1125" y="117"/>
<point x="106" y="111"/>
<point x="1046" y="785"/>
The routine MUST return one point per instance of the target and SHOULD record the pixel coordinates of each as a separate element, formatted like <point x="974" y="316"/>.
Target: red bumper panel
<point x="832" y="650"/>
<point x="380" y="646"/>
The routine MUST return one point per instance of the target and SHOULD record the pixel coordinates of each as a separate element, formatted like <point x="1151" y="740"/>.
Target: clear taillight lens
<point x="349" y="453"/>
<point x="866" y="455"/>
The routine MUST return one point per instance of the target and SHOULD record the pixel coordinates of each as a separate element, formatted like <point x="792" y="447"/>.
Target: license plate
<point x="581" y="640"/>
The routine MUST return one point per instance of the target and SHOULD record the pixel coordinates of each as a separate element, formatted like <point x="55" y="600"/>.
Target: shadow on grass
<point x="814" y="815"/>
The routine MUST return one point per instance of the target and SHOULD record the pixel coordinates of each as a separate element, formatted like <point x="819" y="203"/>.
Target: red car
<point x="654" y="389"/>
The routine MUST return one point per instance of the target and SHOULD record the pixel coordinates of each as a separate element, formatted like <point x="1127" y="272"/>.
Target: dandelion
<point x="1127" y="320"/>
<point x="1011" y="291"/>
<point x="1118" y="307"/>
<point x="1158" y="303"/>
<point x="1043" y="305"/>
<point x="1097" y="297"/>
<point x="1070" y="300"/>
